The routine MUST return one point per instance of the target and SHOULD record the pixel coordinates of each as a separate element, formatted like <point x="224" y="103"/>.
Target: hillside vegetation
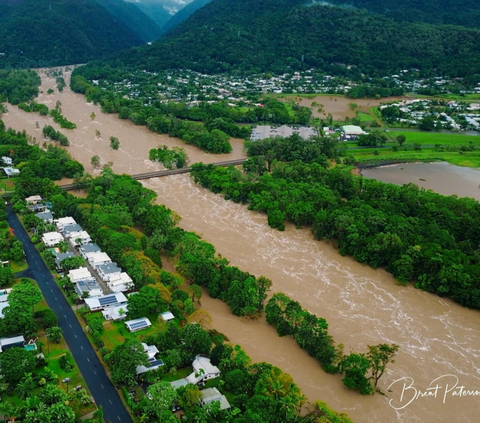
<point x="131" y="16"/>
<point x="37" y="33"/>
<point x="276" y="35"/>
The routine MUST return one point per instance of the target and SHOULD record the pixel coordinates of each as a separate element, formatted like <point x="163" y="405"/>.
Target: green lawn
<point x="7" y="185"/>
<point x="179" y="374"/>
<point x="365" y="117"/>
<point x="433" y="138"/>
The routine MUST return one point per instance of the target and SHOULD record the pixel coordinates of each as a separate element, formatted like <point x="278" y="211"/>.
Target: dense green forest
<point x="18" y="86"/>
<point x="453" y="12"/>
<point x="132" y="17"/>
<point x="35" y="33"/>
<point x="276" y="35"/>
<point x="417" y="235"/>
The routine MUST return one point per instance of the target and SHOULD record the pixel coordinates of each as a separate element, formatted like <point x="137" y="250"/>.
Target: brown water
<point x="339" y="107"/>
<point x="363" y="306"/>
<point x="441" y="177"/>
<point x="135" y="141"/>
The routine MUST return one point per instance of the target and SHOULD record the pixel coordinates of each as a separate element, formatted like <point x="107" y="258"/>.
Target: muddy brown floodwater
<point x="441" y="177"/>
<point x="339" y="107"/>
<point x="362" y="306"/>
<point x="135" y="141"/>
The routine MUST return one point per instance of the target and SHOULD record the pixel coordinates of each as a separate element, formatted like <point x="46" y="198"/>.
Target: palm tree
<point x="25" y="386"/>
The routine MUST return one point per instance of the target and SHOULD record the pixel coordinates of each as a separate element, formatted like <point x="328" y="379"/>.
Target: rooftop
<point x="109" y="268"/>
<point x="72" y="228"/>
<point x="110" y="300"/>
<point x="81" y="273"/>
<point x="46" y="215"/>
<point x="213" y="394"/>
<point x="90" y="248"/>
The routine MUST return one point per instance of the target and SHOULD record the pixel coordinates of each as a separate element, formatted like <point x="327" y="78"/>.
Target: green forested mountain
<point x="183" y="14"/>
<point x="57" y="32"/>
<point x="273" y="35"/>
<point x="455" y="12"/>
<point x="133" y="17"/>
<point x="155" y="10"/>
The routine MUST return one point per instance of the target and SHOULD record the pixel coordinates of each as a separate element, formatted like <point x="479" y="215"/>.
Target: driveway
<point x="100" y="386"/>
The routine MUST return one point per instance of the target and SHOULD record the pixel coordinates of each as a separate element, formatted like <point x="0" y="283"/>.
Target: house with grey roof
<point x="59" y="257"/>
<point x="108" y="270"/>
<point x="213" y="394"/>
<point x="88" y="248"/>
<point x="88" y="288"/>
<point x="46" y="216"/>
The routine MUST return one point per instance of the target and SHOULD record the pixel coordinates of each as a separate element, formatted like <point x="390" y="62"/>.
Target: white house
<point x="7" y="160"/>
<point x="153" y="363"/>
<point x="51" y="239"/>
<point x="89" y="288"/>
<point x="4" y="294"/>
<point x="167" y="316"/>
<point x="213" y="394"/>
<point x="3" y="306"/>
<point x="78" y="238"/>
<point x="115" y="313"/>
<point x="138" y="324"/>
<point x="120" y="283"/>
<point x="10" y="171"/>
<point x="68" y="229"/>
<point x="16" y="341"/>
<point x="64" y="221"/>
<point x="97" y="259"/>
<point x="33" y="199"/>
<point x="77" y="275"/>
<point x="203" y="370"/>
<point x="89" y="248"/>
<point x="106" y="301"/>
<point x="108" y="271"/>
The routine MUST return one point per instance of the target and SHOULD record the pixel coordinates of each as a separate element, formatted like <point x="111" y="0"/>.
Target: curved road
<point x="100" y="386"/>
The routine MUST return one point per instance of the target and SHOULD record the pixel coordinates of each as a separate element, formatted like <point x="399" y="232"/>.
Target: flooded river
<point x="441" y="177"/>
<point x="362" y="306"/>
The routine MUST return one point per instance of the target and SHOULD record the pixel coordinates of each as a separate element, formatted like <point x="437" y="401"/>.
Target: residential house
<point x="119" y="283"/>
<point x="78" y="238"/>
<point x="115" y="313"/>
<point x="88" y="288"/>
<point x="138" y="324"/>
<point x="153" y="363"/>
<point x="68" y="229"/>
<point x="213" y="394"/>
<point x="33" y="199"/>
<point x="89" y="248"/>
<point x="108" y="271"/>
<point x="167" y="316"/>
<point x="16" y="341"/>
<point x="51" y="239"/>
<point x="7" y="160"/>
<point x="4" y="294"/>
<point x="64" y="221"/>
<point x="59" y="257"/>
<point x="106" y="301"/>
<point x="46" y="216"/>
<point x="97" y="259"/>
<point x="11" y="172"/>
<point x="78" y="275"/>
<point x="203" y="370"/>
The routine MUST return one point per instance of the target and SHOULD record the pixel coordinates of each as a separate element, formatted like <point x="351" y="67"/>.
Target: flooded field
<point x="135" y="141"/>
<point x="362" y="306"/>
<point x="339" y="107"/>
<point x="441" y="177"/>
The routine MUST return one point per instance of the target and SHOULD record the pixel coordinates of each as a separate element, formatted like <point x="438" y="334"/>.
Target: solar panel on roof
<point x="138" y="325"/>
<point x="107" y="300"/>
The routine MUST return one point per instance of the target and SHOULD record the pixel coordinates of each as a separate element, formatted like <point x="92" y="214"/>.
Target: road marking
<point x="65" y="316"/>
<point x="81" y="347"/>
<point x="88" y="359"/>
<point x="51" y="289"/>
<point x="103" y="387"/>
<point x="94" y="372"/>
<point x="76" y="336"/>
<point x="119" y="418"/>
<point x="111" y="401"/>
<point x="56" y="299"/>
<point x="70" y="326"/>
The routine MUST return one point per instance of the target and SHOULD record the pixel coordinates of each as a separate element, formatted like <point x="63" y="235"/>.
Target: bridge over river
<point x="161" y="173"/>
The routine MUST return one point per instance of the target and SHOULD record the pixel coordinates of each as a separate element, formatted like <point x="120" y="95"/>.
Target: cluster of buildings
<point x="452" y="115"/>
<point x="8" y="168"/>
<point x="191" y="87"/>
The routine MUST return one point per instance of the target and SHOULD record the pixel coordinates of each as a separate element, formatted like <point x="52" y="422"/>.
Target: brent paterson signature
<point x="442" y="387"/>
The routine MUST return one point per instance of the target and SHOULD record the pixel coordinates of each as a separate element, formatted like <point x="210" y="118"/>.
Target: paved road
<point x="89" y="364"/>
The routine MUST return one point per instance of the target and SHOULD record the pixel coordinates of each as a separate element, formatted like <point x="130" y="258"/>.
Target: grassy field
<point x="365" y="117"/>
<point x="433" y="138"/>
<point x="7" y="185"/>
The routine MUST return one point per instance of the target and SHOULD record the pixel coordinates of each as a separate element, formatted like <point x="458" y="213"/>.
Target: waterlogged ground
<point x="363" y="306"/>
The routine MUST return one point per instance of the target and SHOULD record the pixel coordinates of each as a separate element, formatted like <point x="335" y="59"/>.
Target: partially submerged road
<point x="100" y="386"/>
